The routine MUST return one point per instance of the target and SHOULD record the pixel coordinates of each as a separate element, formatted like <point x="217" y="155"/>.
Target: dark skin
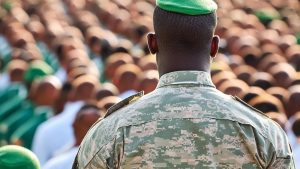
<point x="173" y="60"/>
<point x="83" y="122"/>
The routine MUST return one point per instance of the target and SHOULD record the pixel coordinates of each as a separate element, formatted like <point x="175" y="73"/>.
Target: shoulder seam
<point x="123" y="103"/>
<point x="249" y="106"/>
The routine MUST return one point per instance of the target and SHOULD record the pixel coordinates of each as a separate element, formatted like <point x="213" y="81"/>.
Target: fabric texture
<point x="185" y="123"/>
<point x="62" y="161"/>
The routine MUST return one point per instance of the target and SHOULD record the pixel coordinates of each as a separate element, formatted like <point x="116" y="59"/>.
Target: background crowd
<point x="65" y="62"/>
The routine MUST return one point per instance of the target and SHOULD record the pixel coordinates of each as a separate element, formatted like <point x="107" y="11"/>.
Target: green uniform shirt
<point x="185" y="123"/>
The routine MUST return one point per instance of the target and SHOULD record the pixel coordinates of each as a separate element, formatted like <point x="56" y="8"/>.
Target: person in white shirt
<point x="85" y="118"/>
<point x="57" y="132"/>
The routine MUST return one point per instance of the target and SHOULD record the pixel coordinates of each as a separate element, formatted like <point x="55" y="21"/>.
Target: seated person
<point x="85" y="118"/>
<point x="58" y="129"/>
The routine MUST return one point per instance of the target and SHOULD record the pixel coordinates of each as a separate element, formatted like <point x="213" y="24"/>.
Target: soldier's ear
<point x="214" y="46"/>
<point x="152" y="43"/>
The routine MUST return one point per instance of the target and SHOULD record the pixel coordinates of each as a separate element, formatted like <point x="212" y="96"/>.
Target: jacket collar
<point x="186" y="77"/>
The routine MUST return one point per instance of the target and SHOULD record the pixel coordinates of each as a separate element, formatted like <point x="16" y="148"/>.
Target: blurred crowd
<point x="65" y="62"/>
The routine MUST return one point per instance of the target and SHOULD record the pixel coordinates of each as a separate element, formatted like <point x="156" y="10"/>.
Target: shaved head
<point x="191" y="32"/>
<point x="183" y="42"/>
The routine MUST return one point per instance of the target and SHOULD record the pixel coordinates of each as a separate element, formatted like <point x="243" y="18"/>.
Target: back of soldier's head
<point x="175" y="30"/>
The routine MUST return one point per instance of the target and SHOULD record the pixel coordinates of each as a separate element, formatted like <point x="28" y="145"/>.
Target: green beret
<point x="37" y="69"/>
<point x="188" y="7"/>
<point x="298" y="37"/>
<point x="266" y="15"/>
<point x="7" y="5"/>
<point x="16" y="157"/>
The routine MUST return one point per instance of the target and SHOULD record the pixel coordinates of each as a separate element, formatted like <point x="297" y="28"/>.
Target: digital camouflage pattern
<point x="185" y="123"/>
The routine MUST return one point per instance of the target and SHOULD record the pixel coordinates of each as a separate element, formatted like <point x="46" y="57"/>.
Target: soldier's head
<point x="184" y="35"/>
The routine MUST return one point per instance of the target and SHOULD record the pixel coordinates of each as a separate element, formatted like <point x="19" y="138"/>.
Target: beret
<point x="188" y="7"/>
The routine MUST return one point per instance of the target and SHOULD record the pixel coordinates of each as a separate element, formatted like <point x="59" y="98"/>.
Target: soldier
<point x="185" y="122"/>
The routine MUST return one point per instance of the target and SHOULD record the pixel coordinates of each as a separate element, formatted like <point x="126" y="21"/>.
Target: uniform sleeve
<point x="97" y="163"/>
<point x="283" y="156"/>
<point x="109" y="156"/>
<point x="283" y="163"/>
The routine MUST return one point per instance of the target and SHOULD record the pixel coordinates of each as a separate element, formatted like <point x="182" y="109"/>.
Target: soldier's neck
<point x="170" y="62"/>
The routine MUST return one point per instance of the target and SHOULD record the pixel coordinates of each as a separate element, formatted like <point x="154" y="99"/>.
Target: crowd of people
<point x="65" y="62"/>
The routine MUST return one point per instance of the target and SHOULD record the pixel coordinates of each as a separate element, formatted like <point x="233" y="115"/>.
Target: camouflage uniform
<point x="185" y="123"/>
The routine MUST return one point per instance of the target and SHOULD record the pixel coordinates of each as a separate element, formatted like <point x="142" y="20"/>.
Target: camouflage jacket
<point x="185" y="123"/>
